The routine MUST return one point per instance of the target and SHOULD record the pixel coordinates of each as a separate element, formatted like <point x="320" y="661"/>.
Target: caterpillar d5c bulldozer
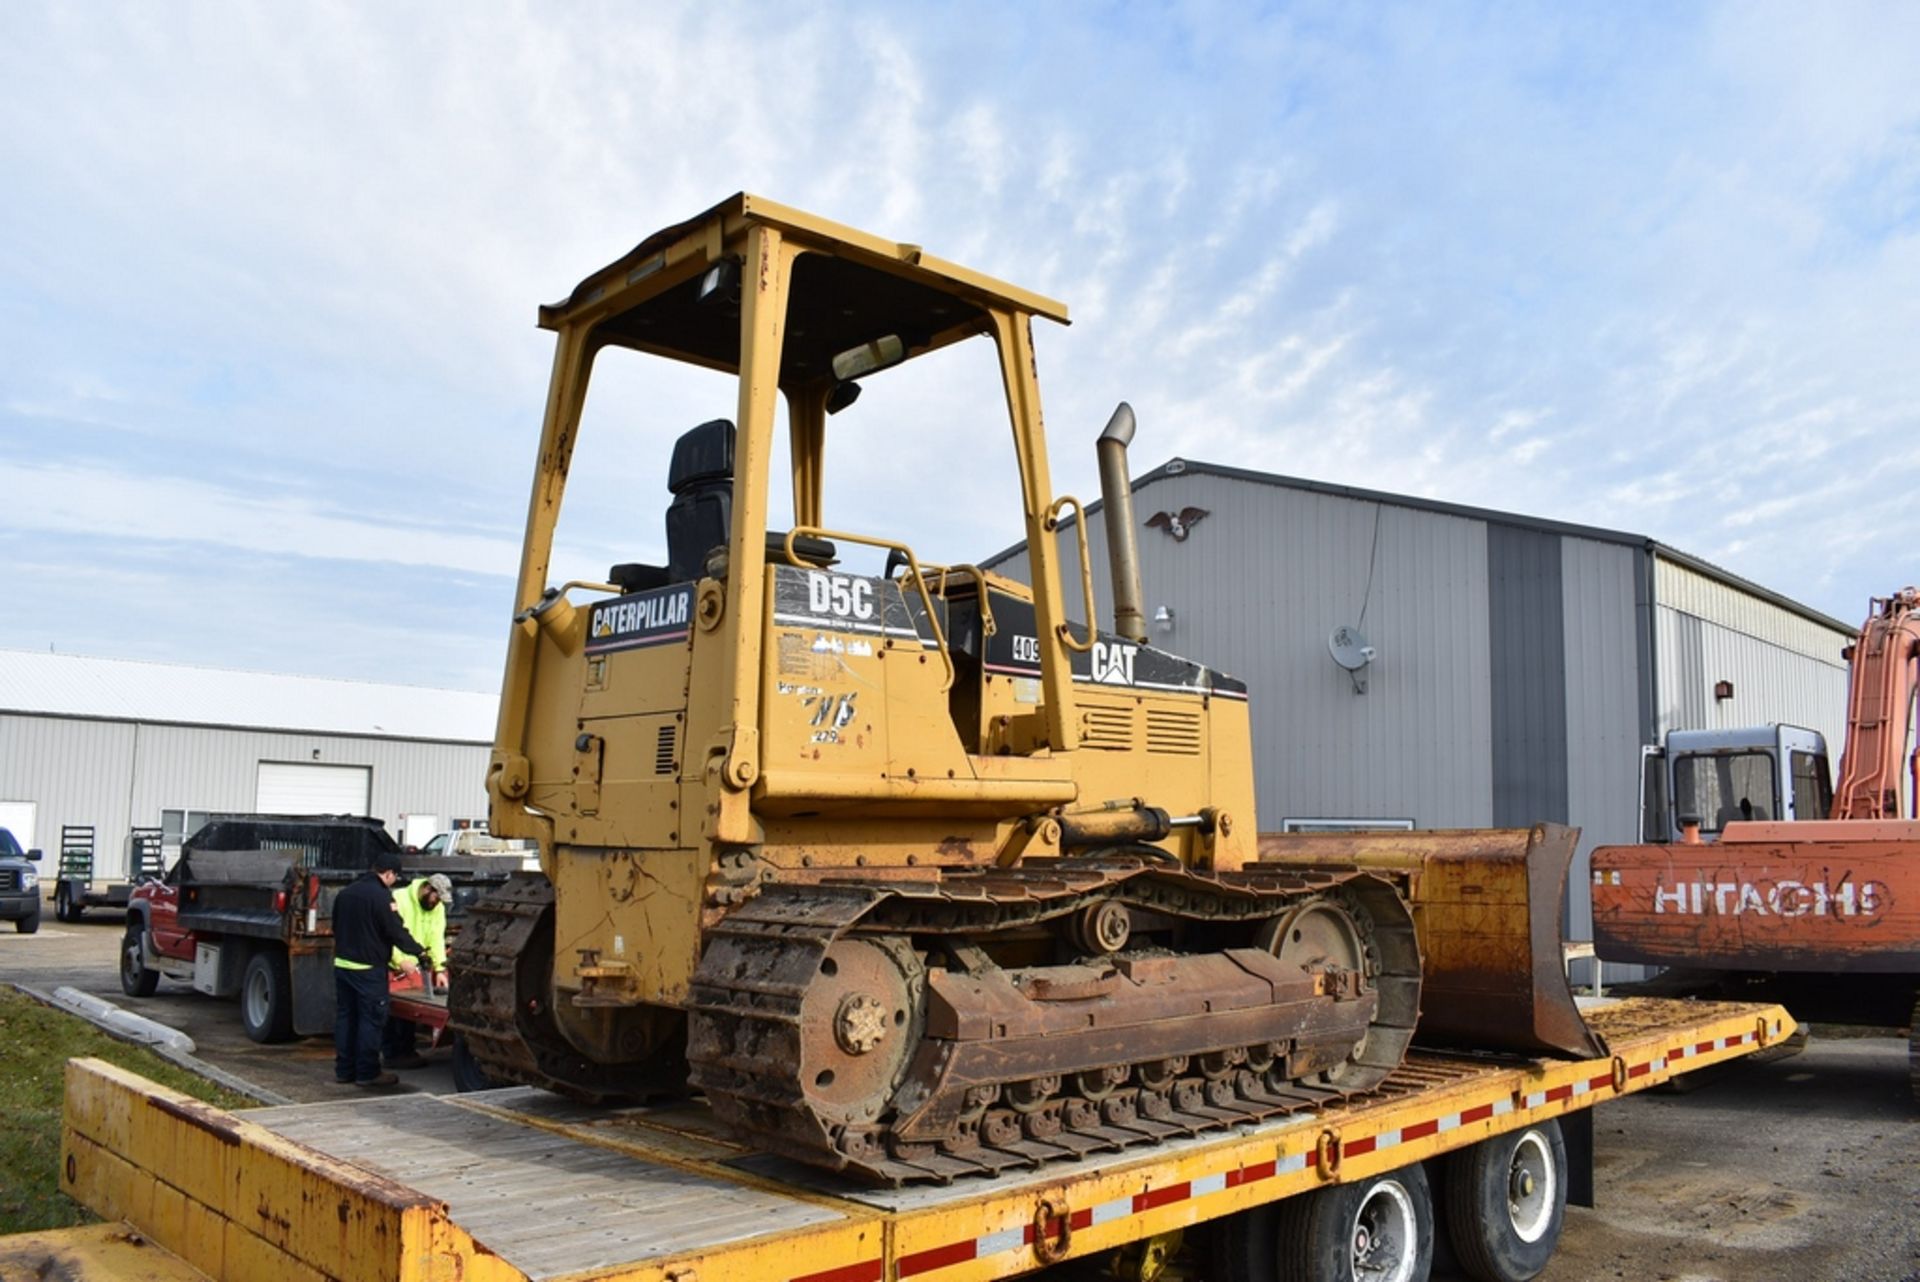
<point x="910" y="874"/>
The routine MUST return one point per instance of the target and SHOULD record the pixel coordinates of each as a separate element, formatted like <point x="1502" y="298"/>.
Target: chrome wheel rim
<point x="1384" y="1237"/>
<point x="1532" y="1186"/>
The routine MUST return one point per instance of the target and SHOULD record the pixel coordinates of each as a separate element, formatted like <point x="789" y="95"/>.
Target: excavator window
<point x="1812" y="785"/>
<point x="1725" y="787"/>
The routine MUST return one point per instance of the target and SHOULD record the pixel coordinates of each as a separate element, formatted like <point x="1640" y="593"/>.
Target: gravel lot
<point x="1807" y="1168"/>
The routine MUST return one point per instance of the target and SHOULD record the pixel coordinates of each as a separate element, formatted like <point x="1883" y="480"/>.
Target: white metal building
<point x="1518" y="664"/>
<point x="117" y="745"/>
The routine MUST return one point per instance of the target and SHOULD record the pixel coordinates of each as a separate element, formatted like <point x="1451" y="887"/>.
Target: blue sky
<point x="272" y="388"/>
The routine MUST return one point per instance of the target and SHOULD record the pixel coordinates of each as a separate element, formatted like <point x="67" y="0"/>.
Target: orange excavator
<point x="1824" y="911"/>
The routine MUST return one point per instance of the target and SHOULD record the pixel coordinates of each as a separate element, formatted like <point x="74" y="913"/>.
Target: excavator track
<point x="497" y="999"/>
<point x="818" y="1028"/>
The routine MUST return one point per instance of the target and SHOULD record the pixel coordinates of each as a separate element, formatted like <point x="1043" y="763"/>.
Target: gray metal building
<point x="116" y="745"/>
<point x="1518" y="664"/>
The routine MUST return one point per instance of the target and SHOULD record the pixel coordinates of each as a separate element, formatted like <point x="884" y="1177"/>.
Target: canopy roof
<point x="852" y="288"/>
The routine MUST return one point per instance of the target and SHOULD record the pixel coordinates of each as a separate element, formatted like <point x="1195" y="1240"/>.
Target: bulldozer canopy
<point x="852" y="289"/>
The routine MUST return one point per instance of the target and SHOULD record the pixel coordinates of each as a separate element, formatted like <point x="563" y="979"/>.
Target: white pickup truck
<point x="476" y="841"/>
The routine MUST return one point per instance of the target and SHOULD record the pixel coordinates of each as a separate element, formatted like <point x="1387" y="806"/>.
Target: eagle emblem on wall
<point x="1177" y="526"/>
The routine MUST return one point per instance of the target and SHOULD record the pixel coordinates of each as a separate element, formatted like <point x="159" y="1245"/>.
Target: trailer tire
<point x="1507" y="1202"/>
<point x="64" y="906"/>
<point x="136" y="978"/>
<point x="1384" y="1223"/>
<point x="30" y="923"/>
<point x="266" y="996"/>
<point x="467" y="1073"/>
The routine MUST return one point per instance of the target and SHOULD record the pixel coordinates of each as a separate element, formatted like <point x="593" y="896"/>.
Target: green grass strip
<point x="36" y="1041"/>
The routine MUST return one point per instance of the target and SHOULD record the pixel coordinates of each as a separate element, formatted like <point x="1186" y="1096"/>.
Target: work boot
<point x="385" y="1079"/>
<point x="408" y="1061"/>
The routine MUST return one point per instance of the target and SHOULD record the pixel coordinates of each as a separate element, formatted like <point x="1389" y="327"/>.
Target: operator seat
<point x="700" y="477"/>
<point x="701" y="481"/>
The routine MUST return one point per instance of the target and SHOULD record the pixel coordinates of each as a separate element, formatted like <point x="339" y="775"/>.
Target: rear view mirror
<point x="36" y="855"/>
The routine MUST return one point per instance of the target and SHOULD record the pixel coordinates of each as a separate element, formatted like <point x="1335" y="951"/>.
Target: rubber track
<point x="744" y="1039"/>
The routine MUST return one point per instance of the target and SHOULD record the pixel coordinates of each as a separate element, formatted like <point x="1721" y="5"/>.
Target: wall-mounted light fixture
<point x="1163" y="619"/>
<point x="1723" y="690"/>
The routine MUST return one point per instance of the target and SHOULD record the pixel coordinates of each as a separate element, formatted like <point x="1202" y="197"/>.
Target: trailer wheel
<point x="266" y="997"/>
<point x="65" y="907"/>
<point x="1375" y="1230"/>
<point x="1506" y="1203"/>
<point x="467" y="1073"/>
<point x="136" y="980"/>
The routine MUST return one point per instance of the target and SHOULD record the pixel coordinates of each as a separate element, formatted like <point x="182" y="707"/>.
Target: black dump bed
<point x="260" y="874"/>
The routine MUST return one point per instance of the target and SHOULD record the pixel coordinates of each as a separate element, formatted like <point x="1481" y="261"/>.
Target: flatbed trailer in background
<point x="77" y="889"/>
<point x="517" y="1184"/>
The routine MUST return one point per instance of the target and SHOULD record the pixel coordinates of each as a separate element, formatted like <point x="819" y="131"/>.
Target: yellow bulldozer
<point x="909" y="871"/>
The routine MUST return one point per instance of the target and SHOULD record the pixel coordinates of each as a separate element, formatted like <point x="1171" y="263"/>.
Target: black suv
<point x="19" y="885"/>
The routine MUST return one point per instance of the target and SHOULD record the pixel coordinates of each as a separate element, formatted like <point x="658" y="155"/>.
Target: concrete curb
<point x="169" y="1044"/>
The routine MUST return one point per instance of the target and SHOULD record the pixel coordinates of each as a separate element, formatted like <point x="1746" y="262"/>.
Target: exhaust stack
<point x="1116" y="497"/>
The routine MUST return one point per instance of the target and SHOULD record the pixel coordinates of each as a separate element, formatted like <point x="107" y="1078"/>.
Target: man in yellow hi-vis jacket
<point x="422" y="905"/>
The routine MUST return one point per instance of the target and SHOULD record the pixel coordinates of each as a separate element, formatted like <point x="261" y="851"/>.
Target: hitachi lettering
<point x="1776" y="899"/>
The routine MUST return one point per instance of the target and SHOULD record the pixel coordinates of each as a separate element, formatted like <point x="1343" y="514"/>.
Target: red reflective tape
<point x="1313" y="1157"/>
<point x="1597" y="1083"/>
<point x="1359" y="1147"/>
<point x="865" y="1271"/>
<point x="1640" y="1070"/>
<point x="1081" y="1219"/>
<point x="1420" y="1130"/>
<point x="1478" y="1113"/>
<point x="942" y="1257"/>
<point x="1251" y="1174"/>
<point x="1560" y="1093"/>
<point x="1702" y="1047"/>
<point x="1160" y="1197"/>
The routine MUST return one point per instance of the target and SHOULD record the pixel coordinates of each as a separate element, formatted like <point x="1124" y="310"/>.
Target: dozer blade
<point x="1486" y="908"/>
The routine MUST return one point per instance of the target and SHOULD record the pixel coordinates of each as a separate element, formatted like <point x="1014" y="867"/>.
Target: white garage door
<point x="298" y="789"/>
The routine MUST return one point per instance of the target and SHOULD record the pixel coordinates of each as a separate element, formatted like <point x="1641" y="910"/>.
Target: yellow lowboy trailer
<point x="520" y="1184"/>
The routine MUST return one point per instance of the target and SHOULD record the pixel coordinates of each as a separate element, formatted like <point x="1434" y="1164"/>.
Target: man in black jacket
<point x="366" y="930"/>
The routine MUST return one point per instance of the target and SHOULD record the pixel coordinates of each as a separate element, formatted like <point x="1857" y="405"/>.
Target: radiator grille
<point x="1107" y="726"/>
<point x="1173" y="731"/>
<point x="663" y="753"/>
<point x="9" y="879"/>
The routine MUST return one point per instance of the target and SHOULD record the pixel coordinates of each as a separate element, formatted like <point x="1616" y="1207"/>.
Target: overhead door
<point x="296" y="788"/>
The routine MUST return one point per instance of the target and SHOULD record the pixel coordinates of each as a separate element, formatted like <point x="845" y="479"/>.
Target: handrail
<point x="987" y="626"/>
<point x="913" y="567"/>
<point x="1051" y="524"/>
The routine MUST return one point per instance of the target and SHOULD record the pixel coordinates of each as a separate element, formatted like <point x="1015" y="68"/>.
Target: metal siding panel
<point x="75" y="773"/>
<point x="1679" y="588"/>
<point x="207" y="769"/>
<point x="1527" y="655"/>
<point x="1599" y="585"/>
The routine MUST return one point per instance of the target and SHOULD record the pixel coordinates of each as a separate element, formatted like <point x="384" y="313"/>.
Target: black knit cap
<point x="387" y="861"/>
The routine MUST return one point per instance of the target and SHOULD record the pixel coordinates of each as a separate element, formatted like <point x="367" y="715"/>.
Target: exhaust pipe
<point x="1116" y="498"/>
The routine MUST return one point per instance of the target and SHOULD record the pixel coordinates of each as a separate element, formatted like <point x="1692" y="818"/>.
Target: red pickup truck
<point x="246" y="912"/>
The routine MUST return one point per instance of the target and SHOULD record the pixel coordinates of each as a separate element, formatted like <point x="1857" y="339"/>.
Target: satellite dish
<point x="1349" y="648"/>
